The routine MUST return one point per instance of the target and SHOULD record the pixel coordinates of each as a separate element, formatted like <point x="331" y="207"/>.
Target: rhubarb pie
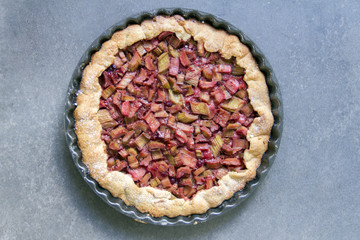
<point x="173" y="116"/>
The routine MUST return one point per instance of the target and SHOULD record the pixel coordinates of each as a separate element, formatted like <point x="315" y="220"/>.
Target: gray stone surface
<point x="312" y="190"/>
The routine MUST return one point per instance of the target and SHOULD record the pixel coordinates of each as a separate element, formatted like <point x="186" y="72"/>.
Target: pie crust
<point x="88" y="128"/>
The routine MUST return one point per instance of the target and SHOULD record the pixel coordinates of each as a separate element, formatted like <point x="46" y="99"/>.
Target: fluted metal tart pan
<point x="266" y="162"/>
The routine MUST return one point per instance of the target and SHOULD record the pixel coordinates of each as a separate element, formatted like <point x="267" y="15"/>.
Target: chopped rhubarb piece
<point x="164" y="81"/>
<point x="119" y="165"/>
<point x="206" y="132"/>
<point x="200" y="138"/>
<point x="152" y="121"/>
<point x="173" y="52"/>
<point x="237" y="70"/>
<point x="199" y="171"/>
<point x="141" y="77"/>
<point x="206" y="85"/>
<point x="105" y="119"/>
<point x="179" y="192"/>
<point x="180" y="78"/>
<point x="219" y="96"/>
<point x="145" y="179"/>
<point x="184" y="60"/>
<point x="223" y="68"/>
<point x="110" y="162"/>
<point x="163" y="62"/>
<point x="116" y="99"/>
<point x="231" y="161"/>
<point x="126" y="80"/>
<point x="199" y="180"/>
<point x="161" y="114"/>
<point x="209" y="182"/>
<point x="127" y="137"/>
<point x="134" y="107"/>
<point x="175" y="98"/>
<point x="213" y="163"/>
<point x="247" y="110"/>
<point x="200" y="49"/>
<point x="118" y="62"/>
<point x="227" y="149"/>
<point x="156" y="107"/>
<point x="207" y="72"/>
<point x="155" y="145"/>
<point x="186" y="117"/>
<point x="146" y="161"/>
<point x="181" y="136"/>
<point x="134" y="62"/>
<point x="108" y="91"/>
<point x="222" y="117"/>
<point x="205" y="97"/>
<point x="233" y="126"/>
<point x="239" y="143"/>
<point x="133" y="162"/>
<point x="154" y="182"/>
<point x="163" y="46"/>
<point x="174" y="67"/>
<point x="200" y="108"/>
<point x="232" y="85"/>
<point x="164" y="35"/>
<point x="242" y="131"/>
<point x="114" y="145"/>
<point x="187" y="160"/>
<point x="157" y="154"/>
<point x="149" y="63"/>
<point x="234" y="104"/>
<point x="216" y="144"/>
<point x="189" y="191"/>
<point x="140" y="49"/>
<point x="186" y="182"/>
<point x="187" y="129"/>
<point x="160" y="96"/>
<point x="242" y="93"/>
<point x="123" y="153"/>
<point x="150" y="45"/>
<point x="137" y="173"/>
<point x="174" y="41"/>
<point x="171" y="171"/>
<point x="141" y="141"/>
<point x="125" y="108"/>
<point x="219" y="173"/>
<point x="180" y="172"/>
<point x="118" y="132"/>
<point x="193" y="75"/>
<point x="166" y="182"/>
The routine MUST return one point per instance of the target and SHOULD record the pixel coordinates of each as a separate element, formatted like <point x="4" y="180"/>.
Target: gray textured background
<point x="313" y="188"/>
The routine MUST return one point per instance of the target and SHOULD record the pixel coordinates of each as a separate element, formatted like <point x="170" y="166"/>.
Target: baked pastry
<point x="173" y="116"/>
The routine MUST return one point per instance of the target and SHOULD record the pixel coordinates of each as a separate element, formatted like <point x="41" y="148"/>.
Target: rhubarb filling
<point x="174" y="116"/>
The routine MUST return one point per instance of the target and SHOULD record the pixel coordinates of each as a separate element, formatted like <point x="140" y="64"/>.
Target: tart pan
<point x="268" y="157"/>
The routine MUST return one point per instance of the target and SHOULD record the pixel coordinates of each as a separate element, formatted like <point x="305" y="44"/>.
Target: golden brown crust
<point x="88" y="129"/>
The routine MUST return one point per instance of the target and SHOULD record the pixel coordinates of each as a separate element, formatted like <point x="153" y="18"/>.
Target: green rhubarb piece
<point x="105" y="119"/>
<point x="141" y="50"/>
<point x="173" y="52"/>
<point x="141" y="141"/>
<point x="186" y="117"/>
<point x="163" y="62"/>
<point x="157" y="51"/>
<point x="237" y="70"/>
<point x="233" y="105"/>
<point x="108" y="92"/>
<point x="164" y="81"/>
<point x="200" y="108"/>
<point x="132" y="151"/>
<point x="175" y="97"/>
<point x="216" y="145"/>
<point x="154" y="182"/>
<point x="199" y="154"/>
